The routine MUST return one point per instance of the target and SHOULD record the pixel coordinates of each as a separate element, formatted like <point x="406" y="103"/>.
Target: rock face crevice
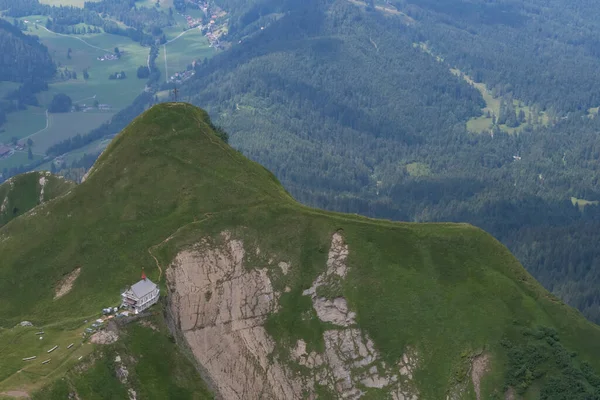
<point x="220" y="307"/>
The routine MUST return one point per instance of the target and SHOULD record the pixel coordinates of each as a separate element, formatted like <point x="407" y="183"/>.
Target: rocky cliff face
<point x="221" y="308"/>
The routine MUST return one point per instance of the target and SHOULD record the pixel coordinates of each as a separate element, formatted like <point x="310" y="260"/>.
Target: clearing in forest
<point x="581" y="203"/>
<point x="524" y="115"/>
<point x="505" y="113"/>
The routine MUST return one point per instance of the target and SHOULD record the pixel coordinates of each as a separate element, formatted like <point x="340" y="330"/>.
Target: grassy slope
<point x="156" y="369"/>
<point x="448" y="290"/>
<point x="22" y="193"/>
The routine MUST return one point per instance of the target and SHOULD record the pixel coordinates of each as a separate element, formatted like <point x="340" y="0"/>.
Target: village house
<point x="140" y="295"/>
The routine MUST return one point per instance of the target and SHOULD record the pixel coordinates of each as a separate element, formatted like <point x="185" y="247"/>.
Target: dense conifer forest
<point x="347" y="109"/>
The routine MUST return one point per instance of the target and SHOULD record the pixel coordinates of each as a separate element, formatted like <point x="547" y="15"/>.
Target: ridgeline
<point x="287" y="300"/>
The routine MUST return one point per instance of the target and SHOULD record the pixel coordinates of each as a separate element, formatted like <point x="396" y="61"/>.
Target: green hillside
<point x="444" y="308"/>
<point x="24" y="192"/>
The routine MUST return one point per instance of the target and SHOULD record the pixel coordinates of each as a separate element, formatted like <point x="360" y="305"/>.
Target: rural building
<point x="140" y="295"/>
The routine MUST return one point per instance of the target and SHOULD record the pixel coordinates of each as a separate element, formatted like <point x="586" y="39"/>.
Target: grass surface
<point x="67" y="3"/>
<point x="581" y="203"/>
<point x="65" y="125"/>
<point x="187" y="48"/>
<point x="85" y="49"/>
<point x="23" y="192"/>
<point x="448" y="291"/>
<point x="418" y="169"/>
<point x="21" y="342"/>
<point x="156" y="369"/>
<point x="23" y="123"/>
<point x="18" y="159"/>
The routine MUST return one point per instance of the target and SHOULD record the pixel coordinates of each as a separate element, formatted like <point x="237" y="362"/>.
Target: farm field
<point x="85" y="49"/>
<point x="23" y="123"/>
<point x="84" y="54"/>
<point x="17" y="159"/>
<point x="147" y="3"/>
<point x="63" y="126"/>
<point x="71" y="3"/>
<point x="182" y="51"/>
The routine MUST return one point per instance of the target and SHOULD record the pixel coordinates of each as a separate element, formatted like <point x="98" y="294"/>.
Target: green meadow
<point x="85" y="50"/>
<point x="66" y="125"/>
<point x="581" y="203"/>
<point x="67" y="3"/>
<point x="17" y="159"/>
<point x="21" y="342"/>
<point x="23" y="123"/>
<point x="192" y="45"/>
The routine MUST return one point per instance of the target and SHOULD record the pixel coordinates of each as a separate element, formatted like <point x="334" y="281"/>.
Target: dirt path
<point x="76" y="38"/>
<point x="169" y="238"/>
<point x="41" y="130"/>
<point x="178" y="36"/>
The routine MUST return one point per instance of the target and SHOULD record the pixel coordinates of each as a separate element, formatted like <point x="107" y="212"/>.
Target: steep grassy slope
<point x="24" y="192"/>
<point x="443" y="309"/>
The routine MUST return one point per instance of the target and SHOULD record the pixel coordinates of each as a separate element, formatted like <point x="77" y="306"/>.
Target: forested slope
<point x="541" y="51"/>
<point x="24" y="60"/>
<point x="340" y="101"/>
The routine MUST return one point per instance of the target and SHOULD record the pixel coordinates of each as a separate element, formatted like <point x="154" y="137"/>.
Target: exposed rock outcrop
<point x="104" y="337"/>
<point x="221" y="308"/>
<point x="225" y="329"/>
<point x="66" y="285"/>
<point x="479" y="367"/>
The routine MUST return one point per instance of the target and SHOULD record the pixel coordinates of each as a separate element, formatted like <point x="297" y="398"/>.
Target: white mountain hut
<point x="140" y="295"/>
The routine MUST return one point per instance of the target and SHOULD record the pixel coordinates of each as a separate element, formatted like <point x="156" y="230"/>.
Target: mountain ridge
<point x="274" y="292"/>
